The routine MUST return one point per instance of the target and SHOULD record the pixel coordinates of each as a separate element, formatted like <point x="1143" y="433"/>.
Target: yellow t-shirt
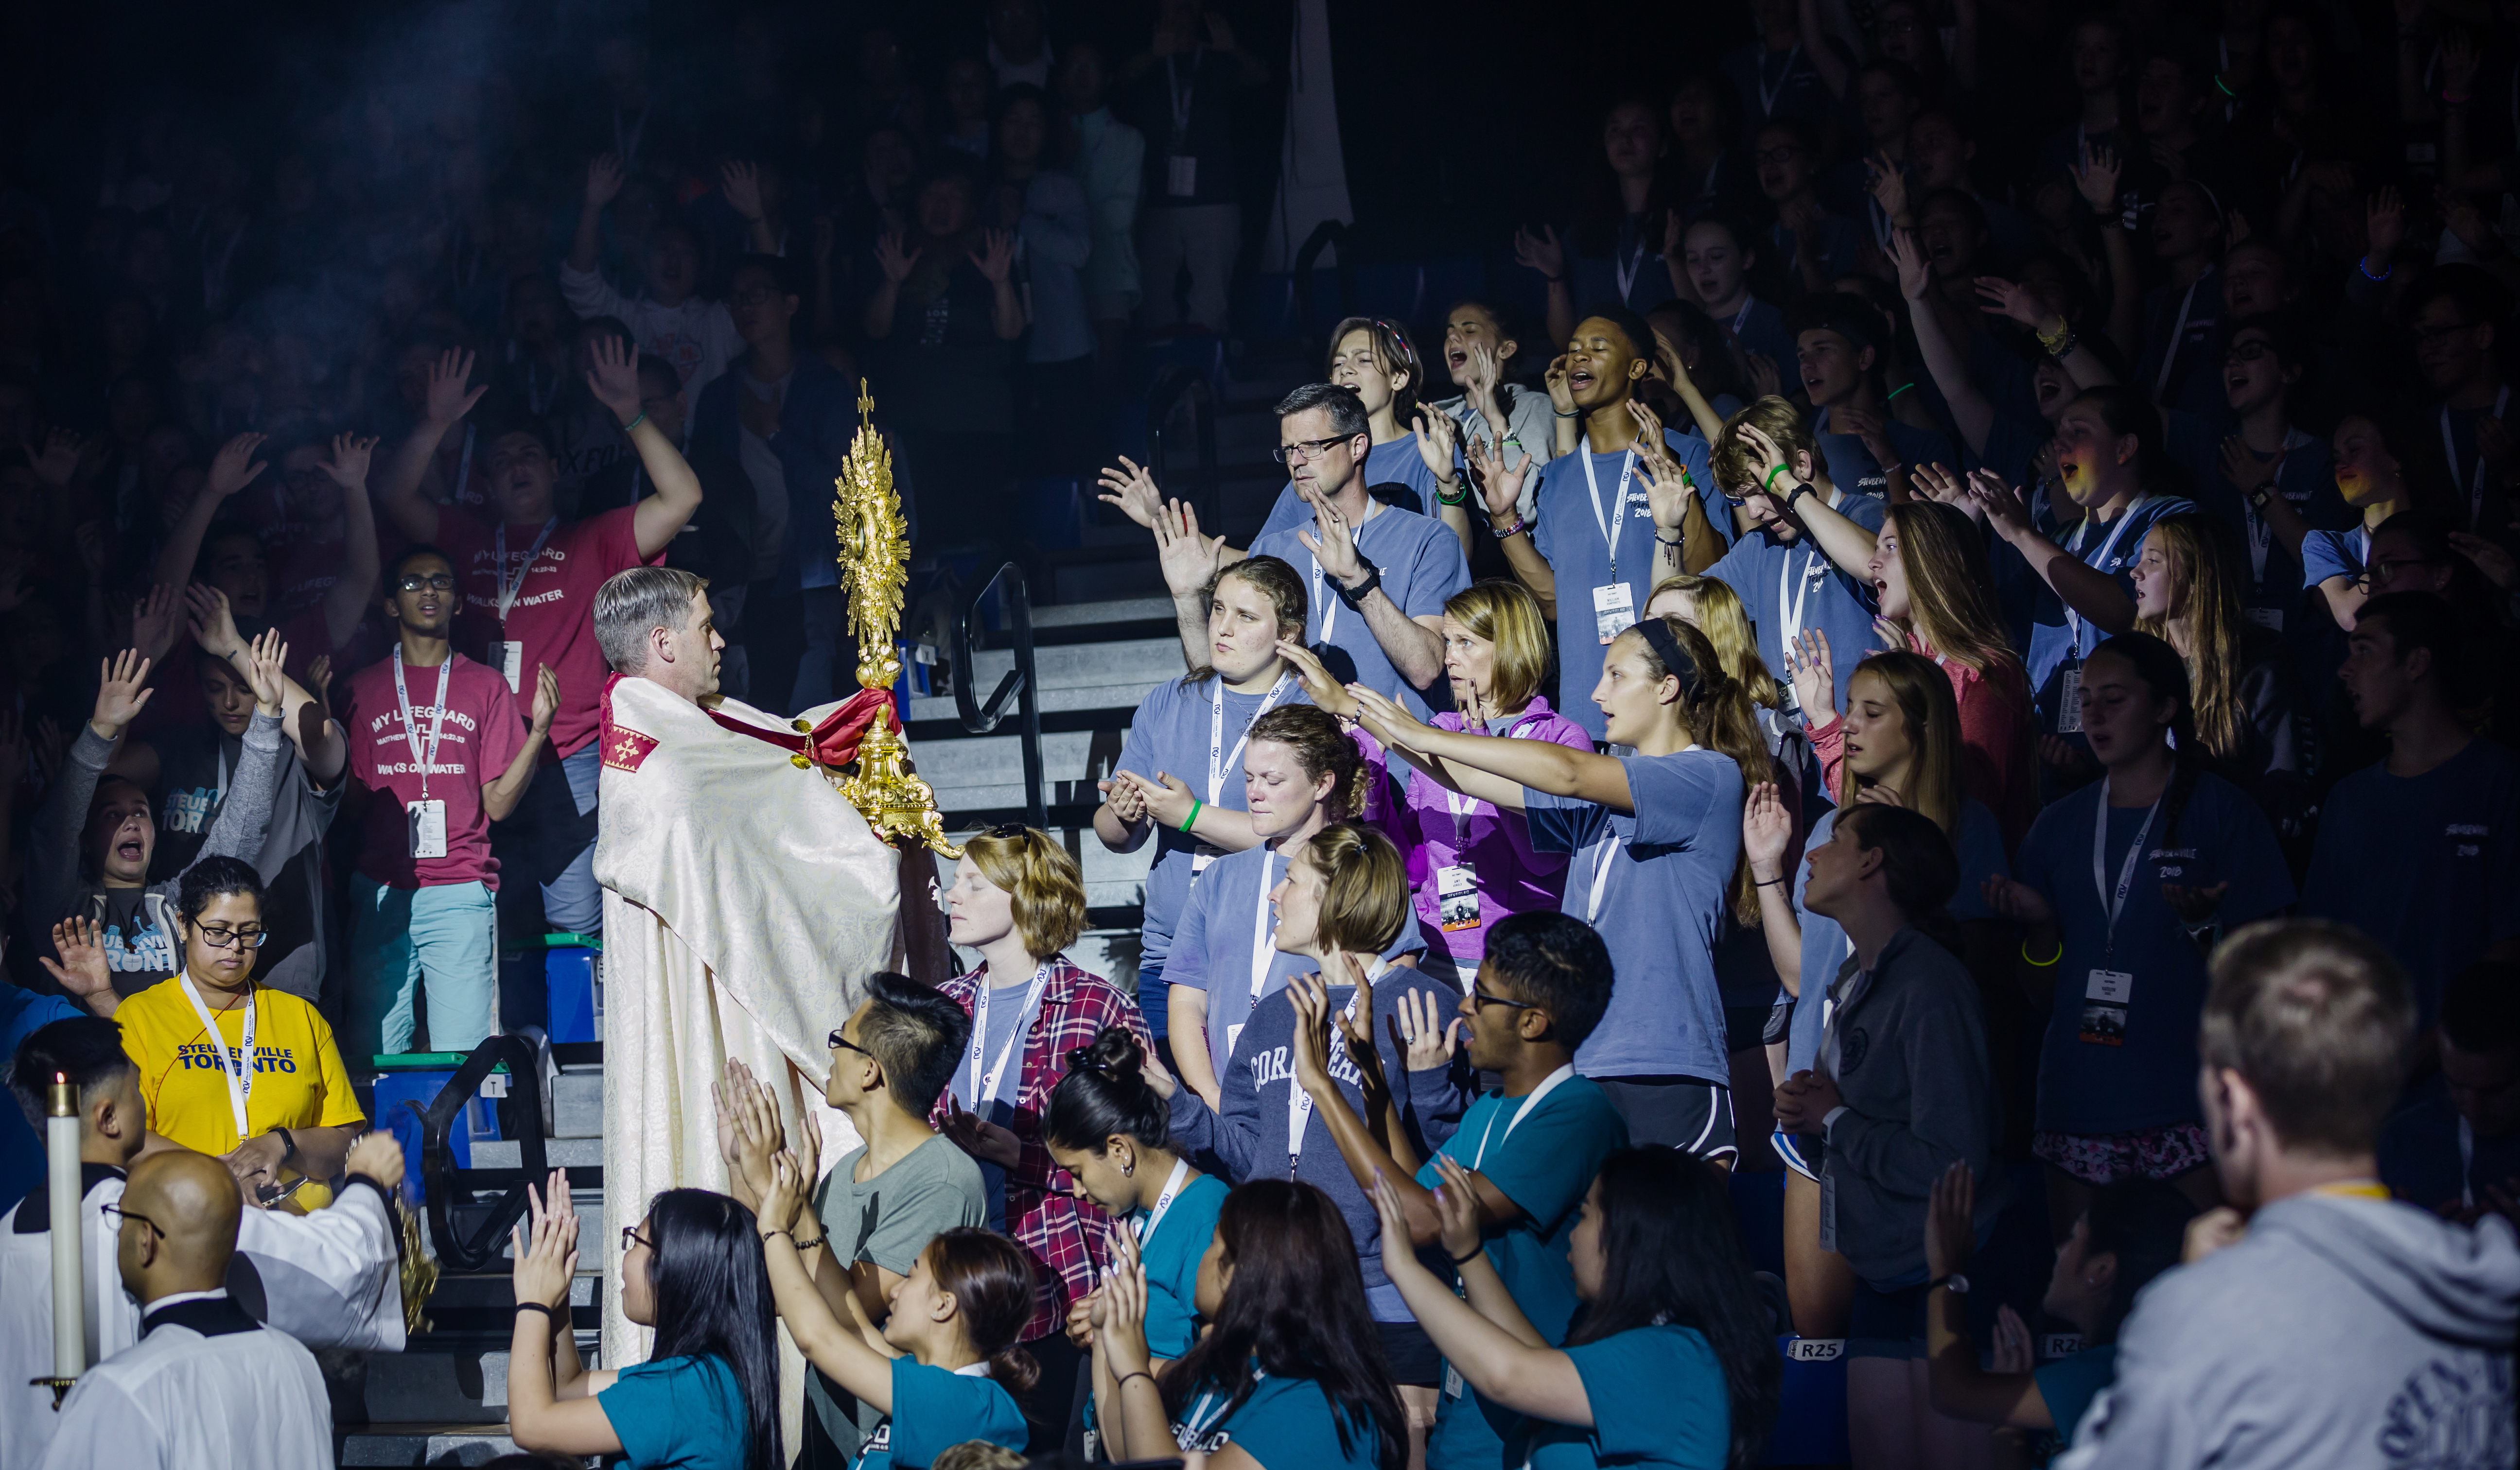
<point x="298" y="1080"/>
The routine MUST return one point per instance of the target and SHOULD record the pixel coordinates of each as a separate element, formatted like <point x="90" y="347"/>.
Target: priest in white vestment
<point x="745" y="902"/>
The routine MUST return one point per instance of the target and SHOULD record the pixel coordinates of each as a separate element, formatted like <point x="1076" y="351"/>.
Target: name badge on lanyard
<point x="425" y="816"/>
<point x="507" y="655"/>
<point x="2450" y="452"/>
<point x="1262" y="953"/>
<point x="1218" y="758"/>
<point x="2069" y="693"/>
<point x="2107" y="994"/>
<point x="1614" y="605"/>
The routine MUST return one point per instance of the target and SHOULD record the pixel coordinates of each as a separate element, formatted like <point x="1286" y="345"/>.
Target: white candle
<point x="62" y="1152"/>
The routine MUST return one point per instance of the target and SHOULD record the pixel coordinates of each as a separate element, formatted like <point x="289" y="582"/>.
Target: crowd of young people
<point x="1667" y="745"/>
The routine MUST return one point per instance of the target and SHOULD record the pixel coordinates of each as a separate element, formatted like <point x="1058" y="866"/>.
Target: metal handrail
<point x="1021" y="681"/>
<point x="1174" y="388"/>
<point x="445" y="1182"/>
<point x="1327" y="233"/>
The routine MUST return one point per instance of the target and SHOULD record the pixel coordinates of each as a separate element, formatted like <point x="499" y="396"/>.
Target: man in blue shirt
<point x="2458" y="1152"/>
<point x="1837" y="342"/>
<point x="2421" y="851"/>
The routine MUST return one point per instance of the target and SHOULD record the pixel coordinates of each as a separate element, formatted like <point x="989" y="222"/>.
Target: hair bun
<point x="1113" y="1055"/>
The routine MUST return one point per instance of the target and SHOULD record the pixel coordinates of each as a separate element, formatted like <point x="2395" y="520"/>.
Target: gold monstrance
<point x="874" y="553"/>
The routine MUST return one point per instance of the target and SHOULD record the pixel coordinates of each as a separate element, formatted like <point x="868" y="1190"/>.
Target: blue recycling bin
<point x="416" y="1078"/>
<point x="575" y="992"/>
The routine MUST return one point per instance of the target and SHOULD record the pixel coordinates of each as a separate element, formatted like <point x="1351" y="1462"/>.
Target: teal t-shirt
<point x="2070" y="1384"/>
<point x="934" y="1409"/>
<point x="1287" y="1424"/>
<point x="1542" y="1158"/>
<point x="1171" y="1256"/>
<point x="685" y="1412"/>
<point x="1658" y="1400"/>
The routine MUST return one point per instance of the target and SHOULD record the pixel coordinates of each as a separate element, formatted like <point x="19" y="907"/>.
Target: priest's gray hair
<point x="631" y="605"/>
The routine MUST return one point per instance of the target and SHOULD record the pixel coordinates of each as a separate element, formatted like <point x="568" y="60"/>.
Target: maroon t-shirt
<point x="484" y="731"/>
<point x="554" y="612"/>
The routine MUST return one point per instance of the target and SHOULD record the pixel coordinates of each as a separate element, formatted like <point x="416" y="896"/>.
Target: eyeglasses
<point x="630" y="1236"/>
<point x="840" y="1043"/>
<point x="441" y="582"/>
<point x="2249" y="351"/>
<point x="1480" y="999"/>
<point x="2431" y="335"/>
<point x="1785" y="155"/>
<point x="2378" y="573"/>
<point x="1306" y="449"/>
<point x="123" y="1217"/>
<point x="229" y="939"/>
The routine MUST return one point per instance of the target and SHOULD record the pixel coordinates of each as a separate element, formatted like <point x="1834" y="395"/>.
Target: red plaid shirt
<point x="1061" y="1235"/>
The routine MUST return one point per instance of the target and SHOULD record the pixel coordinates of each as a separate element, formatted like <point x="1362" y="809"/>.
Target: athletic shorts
<point x="1687" y="1113"/>
<point x="2151" y="1153"/>
<point x="1410" y="1355"/>
<point x="1801" y="1153"/>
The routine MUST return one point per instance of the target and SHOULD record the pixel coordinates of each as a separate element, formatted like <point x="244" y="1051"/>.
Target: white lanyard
<point x="1327" y="604"/>
<point x="2466" y="1163"/>
<point x="1263" y="953"/>
<point x="462" y="468"/>
<point x="2178" y="328"/>
<point x="1768" y="95"/>
<point x="1530" y="1101"/>
<point x="1181" y="95"/>
<point x="1193" y="1426"/>
<point x="239" y="1076"/>
<point x="1218" y="757"/>
<point x="2113" y="902"/>
<point x="1611" y="521"/>
<point x="1462" y="804"/>
<point x="1742" y="317"/>
<point x="2072" y="619"/>
<point x="1790" y="599"/>
<point x="1626" y="268"/>
<point x="426" y="755"/>
<point x="1154" y="1220"/>
<point x="1299" y="1103"/>
<point x="1602" y="878"/>
<point x="1882" y="228"/>
<point x="509" y="589"/>
<point x="2262" y="532"/>
<point x="2450" y="456"/>
<point x="985" y="1088"/>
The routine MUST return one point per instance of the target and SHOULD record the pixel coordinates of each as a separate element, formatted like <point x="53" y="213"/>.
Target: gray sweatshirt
<point x="1248" y="1139"/>
<point x="1911" y="1068"/>
<point x="59" y="887"/>
<point x="2341" y="1332"/>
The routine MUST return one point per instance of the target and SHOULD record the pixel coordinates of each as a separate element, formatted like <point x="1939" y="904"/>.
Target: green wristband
<point x="1771" y="477"/>
<point x="635" y="423"/>
<point x="1195" y="807"/>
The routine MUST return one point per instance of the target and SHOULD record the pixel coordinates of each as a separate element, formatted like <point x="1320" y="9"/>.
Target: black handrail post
<point x="1327" y="233"/>
<point x="1020" y="681"/>
<point x="436" y="1159"/>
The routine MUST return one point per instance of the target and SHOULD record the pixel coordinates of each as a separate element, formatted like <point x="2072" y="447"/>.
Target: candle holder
<point x="60" y="1388"/>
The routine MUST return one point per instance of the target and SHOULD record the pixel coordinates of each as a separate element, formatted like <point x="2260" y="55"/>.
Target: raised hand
<point x="995" y="255"/>
<point x="785" y="1199"/>
<point x="377" y="1155"/>
<point x="1915" y="279"/>
<point x="2194" y="904"/>
<point x="1334" y="547"/>
<point x="2010" y="1351"/>
<point x="1312" y="1049"/>
<point x="81" y="971"/>
<point x="2384" y="223"/>
<point x="1764" y="378"/>
<point x="1501" y="487"/>
<point x="1950" y="1215"/>
<point x="1806" y="664"/>
<point x="153" y="620"/>
<point x="1937" y="483"/>
<point x="1865" y="424"/>
<point x="267" y="671"/>
<point x="2492" y="560"/>
<point x="546" y="698"/>
<point x="2245" y="471"/>
<point x="58" y="460"/>
<point x="121" y="692"/>
<point x="1425" y="1039"/>
<point x="1123" y="799"/>
<point x="2016" y="901"/>
<point x="741" y="183"/>
<point x="234" y="467"/>
<point x="1166" y="799"/>
<point x="2095" y="174"/>
<point x="546" y="1247"/>
<point x="213" y="624"/>
<point x="1385" y="719"/>
<point x="1999" y="502"/>
<point x="1561" y="392"/>
<point x="612" y="376"/>
<point x="1767" y="830"/>
<point x="349" y="466"/>
<point x="1457" y="1208"/>
<point x="1188" y="558"/>
<point x="895" y="261"/>
<point x="2009" y="298"/>
<point x="1325" y="691"/>
<point x="1667" y="493"/>
<point x="1132" y="489"/>
<point x="605" y="177"/>
<point x="1887" y="185"/>
<point x="1436" y="432"/>
<point x="448" y="399"/>
<point x="1540" y="253"/>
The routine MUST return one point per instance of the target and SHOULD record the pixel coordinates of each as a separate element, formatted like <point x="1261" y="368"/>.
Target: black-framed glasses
<point x="229" y="939"/>
<point x="840" y="1043"/>
<point x="1306" y="449"/>
<point x="630" y="1236"/>
<point x="441" y="582"/>
<point x="2248" y="351"/>
<point x="2375" y="573"/>
<point x="123" y="1217"/>
<point x="1480" y="999"/>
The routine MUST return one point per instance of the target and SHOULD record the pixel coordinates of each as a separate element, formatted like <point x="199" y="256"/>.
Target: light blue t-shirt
<point x="1852" y="466"/>
<point x="1397" y="463"/>
<point x="1287" y="1424"/>
<point x="1217" y="940"/>
<point x="1784" y="586"/>
<point x="2137" y="1070"/>
<point x="1009" y="1021"/>
<point x="934" y="1409"/>
<point x="2110" y="548"/>
<point x="1171" y="1256"/>
<point x="1421" y="566"/>
<point x="1569" y="536"/>
<point x="1171" y="733"/>
<point x="1656" y="885"/>
<point x="1658" y="1399"/>
<point x="1542" y="1156"/>
<point x="2333" y="554"/>
<point x="1826" y="945"/>
<point x="685" y="1412"/>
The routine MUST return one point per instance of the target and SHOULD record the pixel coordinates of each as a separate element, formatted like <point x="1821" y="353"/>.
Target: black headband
<point x="1659" y="635"/>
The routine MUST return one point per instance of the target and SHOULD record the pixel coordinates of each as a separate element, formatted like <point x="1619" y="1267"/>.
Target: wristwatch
<point x="2259" y="496"/>
<point x="1956" y="1281"/>
<point x="288" y="1143"/>
<point x="1355" y="596"/>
